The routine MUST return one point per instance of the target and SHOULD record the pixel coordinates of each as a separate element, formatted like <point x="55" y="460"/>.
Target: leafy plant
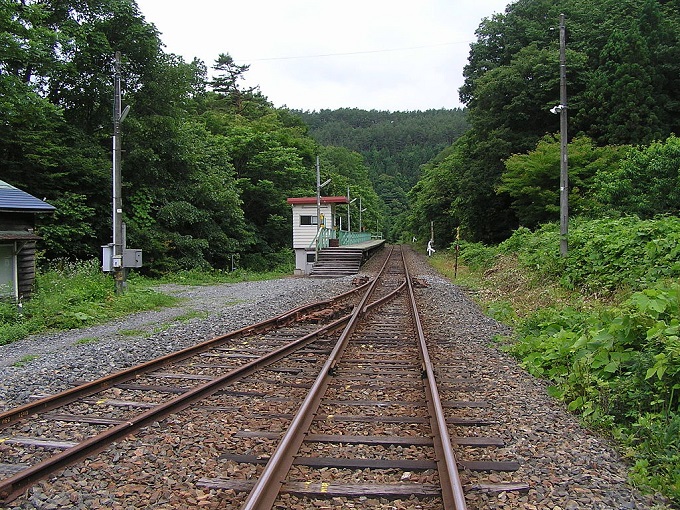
<point x="612" y="353"/>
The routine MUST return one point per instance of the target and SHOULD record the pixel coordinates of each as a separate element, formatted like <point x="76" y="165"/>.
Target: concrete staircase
<point x="335" y="262"/>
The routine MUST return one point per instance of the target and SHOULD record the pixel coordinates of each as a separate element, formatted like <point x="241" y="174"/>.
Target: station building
<point x="18" y="211"/>
<point x="308" y="229"/>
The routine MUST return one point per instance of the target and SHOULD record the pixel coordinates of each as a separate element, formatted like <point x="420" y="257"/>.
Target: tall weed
<point x="72" y="295"/>
<point x="612" y="353"/>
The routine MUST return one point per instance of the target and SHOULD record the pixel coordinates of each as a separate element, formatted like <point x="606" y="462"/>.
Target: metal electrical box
<point x="107" y="258"/>
<point x="132" y="258"/>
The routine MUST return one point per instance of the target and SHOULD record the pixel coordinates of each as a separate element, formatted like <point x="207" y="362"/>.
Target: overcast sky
<point x="392" y="55"/>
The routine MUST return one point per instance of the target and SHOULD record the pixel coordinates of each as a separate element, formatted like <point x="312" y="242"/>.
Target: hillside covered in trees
<point x="207" y="163"/>
<point x="623" y="82"/>
<point x="394" y="146"/>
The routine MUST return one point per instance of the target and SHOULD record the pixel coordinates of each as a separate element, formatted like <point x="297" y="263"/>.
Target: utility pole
<point x="564" y="175"/>
<point x="318" y="209"/>
<point x="118" y="241"/>
<point x="115" y="255"/>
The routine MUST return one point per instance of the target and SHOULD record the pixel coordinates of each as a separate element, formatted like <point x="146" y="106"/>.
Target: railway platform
<point x="336" y="261"/>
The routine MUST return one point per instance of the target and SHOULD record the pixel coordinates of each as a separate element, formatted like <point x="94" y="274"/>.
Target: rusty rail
<point x="452" y="488"/>
<point x="267" y="487"/>
<point x="84" y="390"/>
<point x="15" y="485"/>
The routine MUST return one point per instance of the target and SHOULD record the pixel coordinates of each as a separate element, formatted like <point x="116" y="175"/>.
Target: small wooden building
<point x="17" y="241"/>
<point x="306" y="224"/>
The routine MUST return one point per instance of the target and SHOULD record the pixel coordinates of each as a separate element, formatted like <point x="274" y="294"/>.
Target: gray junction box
<point x="132" y="257"/>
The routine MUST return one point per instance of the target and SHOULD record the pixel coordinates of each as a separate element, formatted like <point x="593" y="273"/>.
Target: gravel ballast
<point x="566" y="466"/>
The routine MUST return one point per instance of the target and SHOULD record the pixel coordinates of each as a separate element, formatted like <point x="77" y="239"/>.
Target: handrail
<point x="321" y="238"/>
<point x="324" y="235"/>
<point x="347" y="238"/>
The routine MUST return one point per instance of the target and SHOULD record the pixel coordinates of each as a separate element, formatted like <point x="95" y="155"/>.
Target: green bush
<point x="618" y="366"/>
<point x="476" y="255"/>
<point x="73" y="295"/>
<point x="604" y="255"/>
<point x="614" y="358"/>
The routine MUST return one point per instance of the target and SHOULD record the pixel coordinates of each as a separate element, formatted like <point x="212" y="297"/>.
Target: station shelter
<point x="311" y="233"/>
<point x="18" y="210"/>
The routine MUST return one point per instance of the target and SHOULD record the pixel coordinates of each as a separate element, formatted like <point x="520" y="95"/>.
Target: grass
<point x="73" y="296"/>
<point x="216" y="276"/>
<point x="193" y="314"/>
<point x="86" y="341"/>
<point x="24" y="360"/>
<point x="505" y="291"/>
<point x="77" y="295"/>
<point x="133" y="332"/>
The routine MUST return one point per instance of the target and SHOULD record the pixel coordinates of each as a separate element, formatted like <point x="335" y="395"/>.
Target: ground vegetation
<point x="600" y="325"/>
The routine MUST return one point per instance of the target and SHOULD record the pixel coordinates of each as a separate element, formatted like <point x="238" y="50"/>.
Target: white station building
<point x="306" y="225"/>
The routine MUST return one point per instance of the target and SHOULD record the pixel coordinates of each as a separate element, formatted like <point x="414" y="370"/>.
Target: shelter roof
<point x="18" y="235"/>
<point x="323" y="200"/>
<point x="13" y="199"/>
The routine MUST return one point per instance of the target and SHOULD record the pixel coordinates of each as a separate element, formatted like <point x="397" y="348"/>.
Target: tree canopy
<point x="623" y="81"/>
<point x="207" y="164"/>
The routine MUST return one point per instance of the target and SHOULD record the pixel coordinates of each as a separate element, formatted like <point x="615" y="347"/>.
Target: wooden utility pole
<point x="564" y="175"/>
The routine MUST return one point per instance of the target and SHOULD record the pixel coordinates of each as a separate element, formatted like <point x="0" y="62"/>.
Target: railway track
<point x="54" y="431"/>
<point x="371" y="427"/>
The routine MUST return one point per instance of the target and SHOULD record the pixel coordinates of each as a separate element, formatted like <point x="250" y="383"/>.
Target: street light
<point x="360" y="211"/>
<point x="349" y="225"/>
<point x="319" y="185"/>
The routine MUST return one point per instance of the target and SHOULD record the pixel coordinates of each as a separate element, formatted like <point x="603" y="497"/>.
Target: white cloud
<point x="379" y="54"/>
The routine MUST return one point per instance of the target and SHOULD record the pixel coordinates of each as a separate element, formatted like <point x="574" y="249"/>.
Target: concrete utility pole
<point x="564" y="175"/>
<point x="318" y="210"/>
<point x="118" y="241"/>
<point x="118" y="245"/>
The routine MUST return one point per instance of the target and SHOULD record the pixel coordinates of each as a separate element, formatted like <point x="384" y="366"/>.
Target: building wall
<point x="303" y="235"/>
<point x="16" y="221"/>
<point x="23" y="251"/>
<point x="26" y="269"/>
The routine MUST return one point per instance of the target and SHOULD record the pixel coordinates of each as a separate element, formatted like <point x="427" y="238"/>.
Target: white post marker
<point x="430" y="248"/>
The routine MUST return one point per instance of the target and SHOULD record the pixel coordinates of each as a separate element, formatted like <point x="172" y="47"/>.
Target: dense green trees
<point x="532" y="179"/>
<point x="394" y="145"/>
<point x="207" y="165"/>
<point x="623" y="72"/>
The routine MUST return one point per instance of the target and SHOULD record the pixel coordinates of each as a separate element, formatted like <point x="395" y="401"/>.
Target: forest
<point x="394" y="145"/>
<point x="207" y="164"/>
<point x="623" y="88"/>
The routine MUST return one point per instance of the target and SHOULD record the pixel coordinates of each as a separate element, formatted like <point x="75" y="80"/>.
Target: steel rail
<point x="452" y="488"/>
<point x="12" y="487"/>
<point x="268" y="484"/>
<point x="85" y="390"/>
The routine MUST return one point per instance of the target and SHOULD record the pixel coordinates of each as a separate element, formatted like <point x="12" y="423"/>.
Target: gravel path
<point x="206" y="312"/>
<point x="567" y="466"/>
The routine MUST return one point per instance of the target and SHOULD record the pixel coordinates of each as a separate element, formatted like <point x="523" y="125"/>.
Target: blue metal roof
<point x="13" y="199"/>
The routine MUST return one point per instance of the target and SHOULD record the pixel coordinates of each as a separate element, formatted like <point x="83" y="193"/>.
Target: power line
<point x="364" y="52"/>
